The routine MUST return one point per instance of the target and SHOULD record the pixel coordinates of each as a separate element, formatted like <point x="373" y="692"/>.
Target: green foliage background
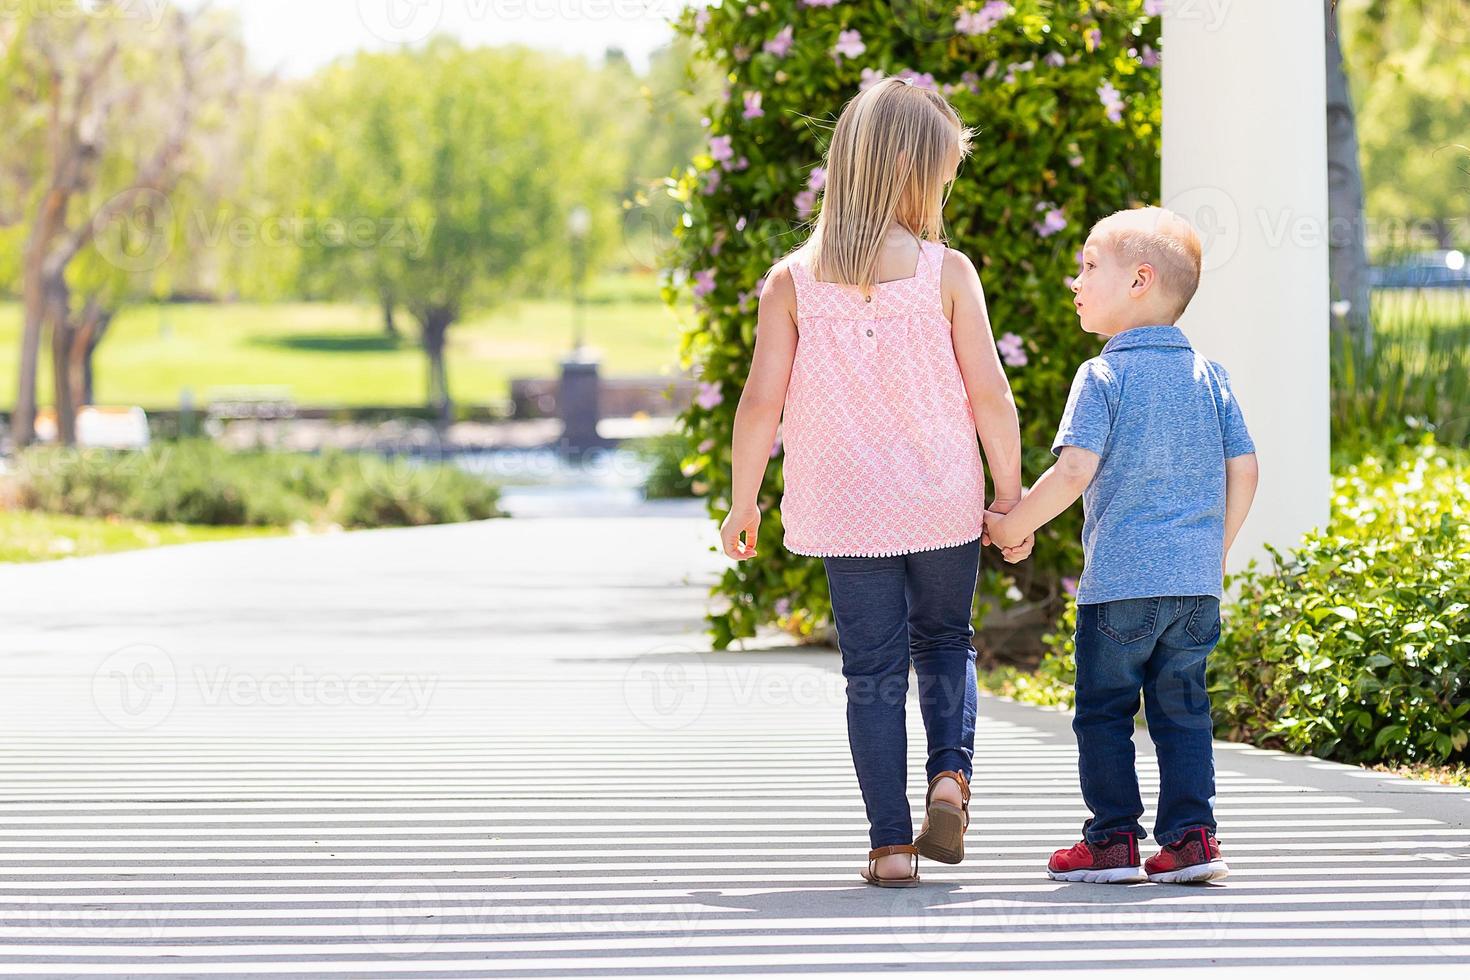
<point x="1033" y="85"/>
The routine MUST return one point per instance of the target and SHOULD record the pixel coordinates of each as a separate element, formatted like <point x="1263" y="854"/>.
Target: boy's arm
<point x="991" y="401"/>
<point x="1242" y="474"/>
<point x="1058" y="488"/>
<point x="759" y="412"/>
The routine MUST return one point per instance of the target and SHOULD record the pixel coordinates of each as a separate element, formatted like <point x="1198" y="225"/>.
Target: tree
<point x="102" y="105"/>
<point x="440" y="179"/>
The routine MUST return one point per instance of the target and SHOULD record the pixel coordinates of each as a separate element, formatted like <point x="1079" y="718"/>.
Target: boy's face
<point x="1104" y="290"/>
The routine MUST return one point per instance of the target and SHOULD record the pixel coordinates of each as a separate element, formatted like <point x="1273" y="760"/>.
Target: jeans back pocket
<point x="1204" y="622"/>
<point x="1128" y="620"/>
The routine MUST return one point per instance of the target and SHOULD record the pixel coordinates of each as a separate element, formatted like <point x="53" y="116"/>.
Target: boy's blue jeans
<point x="888" y="612"/>
<point x="1157" y="645"/>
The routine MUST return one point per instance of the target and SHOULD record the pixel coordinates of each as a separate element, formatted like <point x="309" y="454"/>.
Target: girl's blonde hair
<point x="888" y="160"/>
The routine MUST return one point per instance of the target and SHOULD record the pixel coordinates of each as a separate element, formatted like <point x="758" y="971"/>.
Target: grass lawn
<point x="33" y="536"/>
<point x="338" y="353"/>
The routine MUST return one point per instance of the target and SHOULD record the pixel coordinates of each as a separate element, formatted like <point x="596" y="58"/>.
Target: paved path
<point x="498" y="750"/>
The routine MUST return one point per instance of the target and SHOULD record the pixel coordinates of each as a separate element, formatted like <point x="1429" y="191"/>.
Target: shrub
<point x="1068" y="104"/>
<point x="1356" y="644"/>
<point x="197" y="482"/>
<point x="667" y="456"/>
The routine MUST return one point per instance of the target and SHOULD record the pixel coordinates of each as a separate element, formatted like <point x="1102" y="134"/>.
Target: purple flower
<point x="720" y="148"/>
<point x="783" y="606"/>
<point x="1149" y="58"/>
<point x="709" y="395"/>
<point x="705" y="446"/>
<point x="711" y="181"/>
<point x="704" y="282"/>
<point x="1094" y="39"/>
<point x="982" y="21"/>
<point x="753" y="108"/>
<point x="1012" y="350"/>
<point x="871" y="77"/>
<point x="806" y="202"/>
<point x="849" y="45"/>
<point x="1112" y="101"/>
<point x="1055" y="220"/>
<point x="1069" y="586"/>
<point x="918" y="80"/>
<point x="818" y="178"/>
<point x="1011" y="70"/>
<point x="1056" y="59"/>
<point x="780" y="44"/>
<point x="776" y="445"/>
<point x="820" y="3"/>
<point x="701" y="21"/>
<point x="1153" y="8"/>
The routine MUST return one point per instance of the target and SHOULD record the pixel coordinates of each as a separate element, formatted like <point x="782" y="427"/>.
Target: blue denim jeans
<point x="1157" y="645"/>
<point x="889" y="612"/>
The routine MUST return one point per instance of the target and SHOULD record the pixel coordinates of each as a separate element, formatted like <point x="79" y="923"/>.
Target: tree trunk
<point x="62" y="327"/>
<point x="90" y="328"/>
<point x="35" y="273"/>
<point x="435" y="322"/>
<point x="1345" y="207"/>
<point x="389" y="301"/>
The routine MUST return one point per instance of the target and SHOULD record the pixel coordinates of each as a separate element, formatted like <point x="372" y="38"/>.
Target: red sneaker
<point x="1196" y="858"/>
<point x="1114" y="861"/>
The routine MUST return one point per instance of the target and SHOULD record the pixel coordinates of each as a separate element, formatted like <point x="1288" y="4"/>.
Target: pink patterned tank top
<point x="881" y="453"/>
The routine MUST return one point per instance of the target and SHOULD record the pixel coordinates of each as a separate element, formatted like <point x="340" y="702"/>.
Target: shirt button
<point x="870" y="333"/>
<point x="867" y="299"/>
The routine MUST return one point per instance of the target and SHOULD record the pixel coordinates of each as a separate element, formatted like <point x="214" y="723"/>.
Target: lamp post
<point x="577" y="399"/>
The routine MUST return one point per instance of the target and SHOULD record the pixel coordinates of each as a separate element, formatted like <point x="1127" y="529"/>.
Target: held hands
<point x="1013" y="547"/>
<point x="745" y="518"/>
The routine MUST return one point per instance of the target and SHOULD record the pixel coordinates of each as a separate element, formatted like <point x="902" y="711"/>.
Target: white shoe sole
<point x="1101" y="876"/>
<point x="1213" y="871"/>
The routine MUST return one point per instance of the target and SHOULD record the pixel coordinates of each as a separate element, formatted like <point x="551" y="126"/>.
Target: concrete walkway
<point x="503" y="750"/>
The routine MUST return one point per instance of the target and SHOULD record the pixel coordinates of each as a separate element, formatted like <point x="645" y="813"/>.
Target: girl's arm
<point x="996" y="421"/>
<point x="759" y="411"/>
<point x="1058" y="488"/>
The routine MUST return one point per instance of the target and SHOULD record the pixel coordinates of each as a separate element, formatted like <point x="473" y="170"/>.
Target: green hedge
<point x="1355" y="645"/>
<point x="197" y="482"/>
<point x="1358" y="648"/>
<point x="1067" y="100"/>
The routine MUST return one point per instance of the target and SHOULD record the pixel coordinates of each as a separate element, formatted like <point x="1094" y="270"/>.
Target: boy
<point x="1154" y="441"/>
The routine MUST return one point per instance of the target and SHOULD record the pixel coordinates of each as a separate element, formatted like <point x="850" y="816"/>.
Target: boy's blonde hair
<point x="1160" y="238"/>
<point x="887" y="160"/>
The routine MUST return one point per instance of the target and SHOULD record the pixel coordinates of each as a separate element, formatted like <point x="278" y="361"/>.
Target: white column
<point x="1245" y="158"/>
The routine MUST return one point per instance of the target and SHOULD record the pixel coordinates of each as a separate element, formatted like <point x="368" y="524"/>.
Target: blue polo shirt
<point x="1164" y="420"/>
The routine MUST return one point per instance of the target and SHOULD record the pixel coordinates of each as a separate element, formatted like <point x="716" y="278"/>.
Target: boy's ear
<point x="1143" y="279"/>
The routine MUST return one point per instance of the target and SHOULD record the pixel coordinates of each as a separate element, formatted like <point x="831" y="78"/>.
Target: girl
<point x="874" y="339"/>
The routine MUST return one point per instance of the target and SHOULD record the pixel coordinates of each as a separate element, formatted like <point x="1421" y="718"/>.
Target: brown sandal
<point x="944" y="839"/>
<point x="870" y="873"/>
